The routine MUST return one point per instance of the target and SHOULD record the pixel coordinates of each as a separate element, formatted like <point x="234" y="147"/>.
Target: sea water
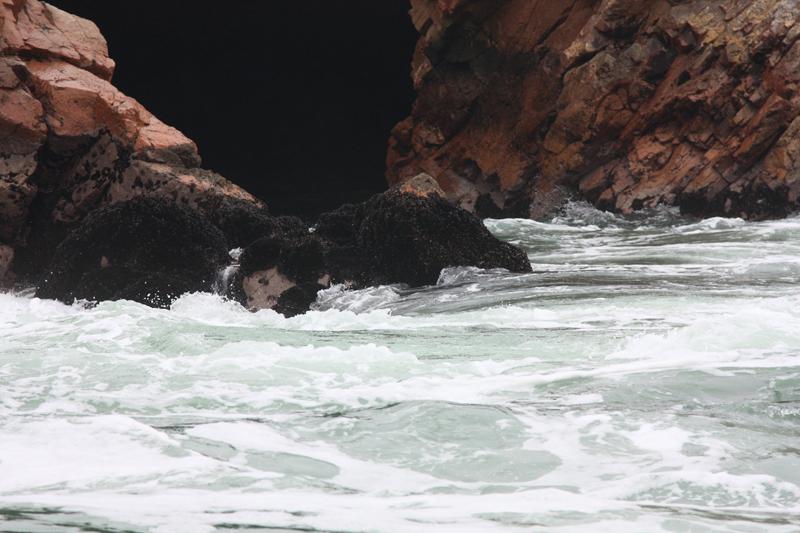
<point x="645" y="377"/>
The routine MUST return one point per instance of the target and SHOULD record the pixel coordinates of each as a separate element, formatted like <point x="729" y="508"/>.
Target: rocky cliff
<point x="625" y="103"/>
<point x="71" y="143"/>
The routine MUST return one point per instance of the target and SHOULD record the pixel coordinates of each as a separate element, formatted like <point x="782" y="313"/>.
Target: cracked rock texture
<point x="624" y="103"/>
<point x="71" y="143"/>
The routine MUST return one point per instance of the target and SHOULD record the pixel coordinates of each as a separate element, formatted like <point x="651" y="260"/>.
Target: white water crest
<point x="645" y="377"/>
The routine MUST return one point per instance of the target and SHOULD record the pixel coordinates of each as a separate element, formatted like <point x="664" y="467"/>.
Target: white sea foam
<point x="644" y="377"/>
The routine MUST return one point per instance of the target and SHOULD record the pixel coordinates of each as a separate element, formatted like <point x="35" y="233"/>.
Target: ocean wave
<point x="644" y="376"/>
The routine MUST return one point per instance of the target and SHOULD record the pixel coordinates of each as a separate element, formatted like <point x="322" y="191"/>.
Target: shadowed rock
<point x="398" y="237"/>
<point x="402" y="236"/>
<point x="145" y="250"/>
<point x="283" y="271"/>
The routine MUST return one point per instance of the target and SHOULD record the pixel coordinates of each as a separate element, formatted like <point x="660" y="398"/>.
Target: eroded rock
<point x="628" y="104"/>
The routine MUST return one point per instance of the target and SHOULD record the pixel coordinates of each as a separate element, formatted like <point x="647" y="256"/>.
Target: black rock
<point x="242" y="222"/>
<point x="398" y="237"/>
<point x="147" y="250"/>
<point x="298" y="299"/>
<point x="298" y="257"/>
<point x="345" y="259"/>
<point x="395" y="237"/>
<point x="262" y="254"/>
<point x="410" y="239"/>
<point x="300" y="261"/>
<point x="341" y="227"/>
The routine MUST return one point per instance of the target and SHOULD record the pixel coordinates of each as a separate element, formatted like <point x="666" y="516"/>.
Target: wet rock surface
<point x="146" y="250"/>
<point x="151" y="250"/>
<point x="400" y="236"/>
<point x="524" y="103"/>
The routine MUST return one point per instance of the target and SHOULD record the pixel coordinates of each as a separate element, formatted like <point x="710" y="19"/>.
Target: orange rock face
<point x="70" y="142"/>
<point x="32" y="29"/>
<point x="628" y="104"/>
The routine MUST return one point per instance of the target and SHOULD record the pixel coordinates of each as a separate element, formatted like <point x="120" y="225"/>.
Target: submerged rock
<point x="625" y="103"/>
<point x="145" y="250"/>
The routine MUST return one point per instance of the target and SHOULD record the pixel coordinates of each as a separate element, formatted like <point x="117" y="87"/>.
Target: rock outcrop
<point x="71" y="143"/>
<point x="407" y="235"/>
<point x="147" y="250"/>
<point x="628" y="104"/>
<point x="410" y="237"/>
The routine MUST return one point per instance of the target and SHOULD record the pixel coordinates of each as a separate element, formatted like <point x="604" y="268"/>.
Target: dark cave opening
<point x="292" y="100"/>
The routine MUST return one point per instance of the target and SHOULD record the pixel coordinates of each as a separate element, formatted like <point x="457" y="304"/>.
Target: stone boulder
<point x="628" y="104"/>
<point x="242" y="221"/>
<point x="407" y="235"/>
<point x="283" y="270"/>
<point x="400" y="237"/>
<point x="146" y="250"/>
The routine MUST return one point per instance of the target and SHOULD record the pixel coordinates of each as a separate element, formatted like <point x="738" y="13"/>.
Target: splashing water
<point x="645" y="377"/>
<point x="222" y="285"/>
